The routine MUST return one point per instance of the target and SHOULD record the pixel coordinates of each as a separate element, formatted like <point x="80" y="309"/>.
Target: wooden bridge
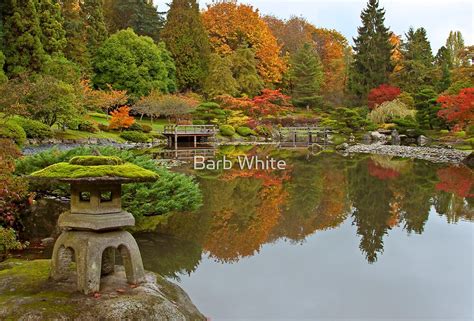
<point x="195" y="134"/>
<point x="303" y="136"/>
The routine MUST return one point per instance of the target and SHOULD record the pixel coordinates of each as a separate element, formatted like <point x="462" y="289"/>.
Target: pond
<point x="329" y="237"/>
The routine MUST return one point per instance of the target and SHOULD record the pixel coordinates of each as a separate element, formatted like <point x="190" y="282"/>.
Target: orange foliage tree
<point x="121" y="118"/>
<point x="103" y="99"/>
<point x="231" y="25"/>
<point x="270" y="102"/>
<point x="458" y="109"/>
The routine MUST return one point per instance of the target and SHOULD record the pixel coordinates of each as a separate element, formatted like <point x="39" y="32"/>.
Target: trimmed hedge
<point x="87" y="126"/>
<point x="34" y="128"/>
<point x="134" y="136"/>
<point x="245" y="131"/>
<point x="147" y="128"/>
<point x="227" y="130"/>
<point x="13" y="131"/>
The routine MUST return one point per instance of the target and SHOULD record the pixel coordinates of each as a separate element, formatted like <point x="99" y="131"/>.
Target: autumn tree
<point x="121" y="118"/>
<point x="458" y="109"/>
<point x="186" y="39"/>
<point x="291" y="34"/>
<point x="373" y="50"/>
<point x="244" y="68"/>
<point x="220" y="80"/>
<point x="382" y="94"/>
<point x="22" y="33"/>
<point x="53" y="36"/>
<point x="133" y="63"/>
<point x="307" y="76"/>
<point x="455" y="45"/>
<point x="106" y="99"/>
<point x="231" y="25"/>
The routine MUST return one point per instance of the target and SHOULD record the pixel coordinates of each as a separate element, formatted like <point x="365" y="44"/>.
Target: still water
<point x="362" y="238"/>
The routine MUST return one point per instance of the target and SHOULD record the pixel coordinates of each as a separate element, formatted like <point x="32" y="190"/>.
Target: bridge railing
<point x="189" y="129"/>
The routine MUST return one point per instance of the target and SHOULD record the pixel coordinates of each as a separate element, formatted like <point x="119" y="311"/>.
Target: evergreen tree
<point x="3" y="77"/>
<point x="372" y="60"/>
<point x="24" y="51"/>
<point x="306" y="77"/>
<point x="427" y="108"/>
<point x="53" y="35"/>
<point x="244" y="68"/>
<point x="444" y="65"/>
<point x="93" y="17"/>
<point x="186" y="39"/>
<point x="455" y="45"/>
<point x="220" y="80"/>
<point x="76" y="47"/>
<point x="417" y="70"/>
<point x="140" y="15"/>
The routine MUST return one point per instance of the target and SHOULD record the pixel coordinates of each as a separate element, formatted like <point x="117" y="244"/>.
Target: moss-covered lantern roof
<point x="95" y="168"/>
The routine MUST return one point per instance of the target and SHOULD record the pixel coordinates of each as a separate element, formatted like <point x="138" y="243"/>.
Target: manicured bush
<point x="460" y="134"/>
<point x="199" y="122"/>
<point x="87" y="126"/>
<point x="34" y="128"/>
<point x="407" y="125"/>
<point x="245" y="131"/>
<point x="147" y="128"/>
<point x="172" y="192"/>
<point x="444" y="131"/>
<point x="135" y="127"/>
<point x="227" y="130"/>
<point x="13" y="131"/>
<point x="134" y="136"/>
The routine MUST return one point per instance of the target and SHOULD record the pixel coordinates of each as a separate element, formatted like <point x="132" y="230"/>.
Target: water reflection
<point x="243" y="210"/>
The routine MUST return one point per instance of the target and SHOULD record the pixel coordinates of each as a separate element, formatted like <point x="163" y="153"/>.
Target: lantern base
<point x="96" y="222"/>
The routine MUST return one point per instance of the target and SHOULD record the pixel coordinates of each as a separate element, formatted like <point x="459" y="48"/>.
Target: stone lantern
<point x="92" y="229"/>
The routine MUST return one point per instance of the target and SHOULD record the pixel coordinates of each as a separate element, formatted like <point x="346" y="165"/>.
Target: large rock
<point x="26" y="293"/>
<point x="469" y="161"/>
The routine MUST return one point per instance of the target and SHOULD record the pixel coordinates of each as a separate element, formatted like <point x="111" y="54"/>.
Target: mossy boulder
<point x="95" y="167"/>
<point x="27" y="293"/>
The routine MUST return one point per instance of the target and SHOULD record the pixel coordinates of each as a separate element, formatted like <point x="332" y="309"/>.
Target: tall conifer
<point x="186" y="39"/>
<point x="51" y="21"/>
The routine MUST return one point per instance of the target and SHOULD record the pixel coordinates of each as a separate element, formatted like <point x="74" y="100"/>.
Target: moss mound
<point x="96" y="160"/>
<point x="77" y="168"/>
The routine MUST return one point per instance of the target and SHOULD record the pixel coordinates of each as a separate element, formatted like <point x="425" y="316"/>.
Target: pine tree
<point x="93" y="17"/>
<point x="220" y="80"/>
<point x="76" y="48"/>
<point x="23" y="35"/>
<point x="417" y="70"/>
<point x="455" y="45"/>
<point x="51" y="23"/>
<point x="186" y="39"/>
<point x="372" y="60"/>
<point x="140" y="15"/>
<point x="444" y="65"/>
<point x="3" y="77"/>
<point x="244" y="68"/>
<point x="306" y="77"/>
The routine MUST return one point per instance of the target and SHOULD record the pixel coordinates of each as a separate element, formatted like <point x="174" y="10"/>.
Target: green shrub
<point x="13" y="131"/>
<point x="87" y="126"/>
<point x="34" y="128"/>
<point x="227" y="130"/>
<point x="199" y="122"/>
<point x="404" y="125"/>
<point x="172" y="192"/>
<point x="134" y="136"/>
<point x="147" y="128"/>
<point x="263" y="131"/>
<point x="245" y="131"/>
<point x="390" y="110"/>
<point x="210" y="113"/>
<point x="135" y="127"/>
<point x="460" y="134"/>
<point x="444" y="131"/>
<point x="8" y="241"/>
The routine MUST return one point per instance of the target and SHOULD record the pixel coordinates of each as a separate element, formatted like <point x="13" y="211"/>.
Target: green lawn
<point x="76" y="134"/>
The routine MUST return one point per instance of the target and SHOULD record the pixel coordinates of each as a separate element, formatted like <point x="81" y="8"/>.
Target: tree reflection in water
<point x="245" y="209"/>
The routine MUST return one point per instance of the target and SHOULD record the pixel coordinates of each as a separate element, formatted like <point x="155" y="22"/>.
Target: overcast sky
<point x="437" y="16"/>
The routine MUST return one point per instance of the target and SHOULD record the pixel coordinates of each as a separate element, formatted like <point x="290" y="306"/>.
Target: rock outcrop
<point x="26" y="293"/>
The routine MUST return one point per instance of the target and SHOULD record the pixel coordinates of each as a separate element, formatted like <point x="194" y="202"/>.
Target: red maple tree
<point x="382" y="173"/>
<point x="457" y="180"/>
<point x="458" y="109"/>
<point x="382" y="94"/>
